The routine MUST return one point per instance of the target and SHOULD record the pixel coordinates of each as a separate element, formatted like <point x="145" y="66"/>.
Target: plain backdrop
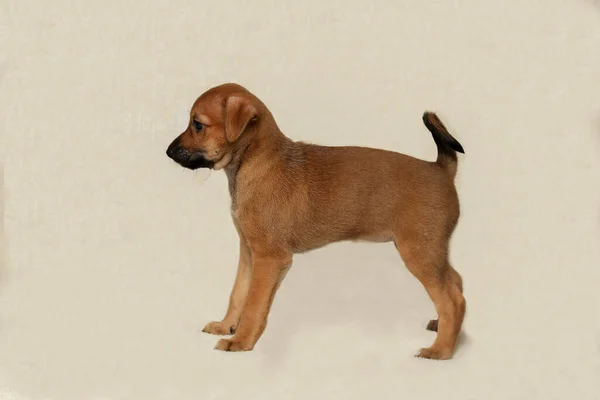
<point x="115" y="257"/>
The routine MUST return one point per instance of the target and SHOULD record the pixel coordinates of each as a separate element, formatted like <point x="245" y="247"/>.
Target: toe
<point x="232" y="345"/>
<point x="217" y="328"/>
<point x="434" y="354"/>
<point x="223" y="345"/>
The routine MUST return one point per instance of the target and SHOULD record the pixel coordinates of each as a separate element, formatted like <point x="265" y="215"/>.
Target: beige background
<point x="116" y="257"/>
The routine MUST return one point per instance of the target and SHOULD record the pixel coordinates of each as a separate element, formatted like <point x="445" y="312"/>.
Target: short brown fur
<point x="291" y="197"/>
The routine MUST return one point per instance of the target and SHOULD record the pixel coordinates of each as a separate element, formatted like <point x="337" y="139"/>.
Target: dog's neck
<point x="265" y="140"/>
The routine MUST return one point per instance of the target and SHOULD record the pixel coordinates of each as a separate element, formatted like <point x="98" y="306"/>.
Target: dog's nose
<point x="178" y="154"/>
<point x="173" y="148"/>
<point x="175" y="152"/>
<point x="170" y="152"/>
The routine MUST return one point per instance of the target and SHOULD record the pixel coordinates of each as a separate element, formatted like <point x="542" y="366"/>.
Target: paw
<point x="432" y="353"/>
<point x="219" y="328"/>
<point x="232" y="345"/>
<point x="433" y="325"/>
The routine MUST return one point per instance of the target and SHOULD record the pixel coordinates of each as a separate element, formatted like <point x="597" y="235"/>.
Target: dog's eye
<point x="198" y="125"/>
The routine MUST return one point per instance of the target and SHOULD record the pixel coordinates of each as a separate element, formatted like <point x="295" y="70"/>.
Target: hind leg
<point x="457" y="279"/>
<point x="428" y="262"/>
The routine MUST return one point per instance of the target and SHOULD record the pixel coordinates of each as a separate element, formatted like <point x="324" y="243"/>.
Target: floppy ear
<point x="238" y="112"/>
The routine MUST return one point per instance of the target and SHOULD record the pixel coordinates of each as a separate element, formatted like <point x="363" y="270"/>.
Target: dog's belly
<point x="383" y="237"/>
<point x="313" y="241"/>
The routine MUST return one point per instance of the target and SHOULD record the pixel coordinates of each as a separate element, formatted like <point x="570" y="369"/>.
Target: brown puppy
<point x="291" y="197"/>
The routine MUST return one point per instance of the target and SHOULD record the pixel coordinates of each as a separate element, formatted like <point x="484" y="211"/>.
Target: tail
<point x="446" y="144"/>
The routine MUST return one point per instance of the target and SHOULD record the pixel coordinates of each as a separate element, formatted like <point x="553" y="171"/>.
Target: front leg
<point x="229" y="323"/>
<point x="268" y="272"/>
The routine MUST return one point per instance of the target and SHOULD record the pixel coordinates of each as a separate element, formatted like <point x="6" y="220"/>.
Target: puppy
<point x="290" y="197"/>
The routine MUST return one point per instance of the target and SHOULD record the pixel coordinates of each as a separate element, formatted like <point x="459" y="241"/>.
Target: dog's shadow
<point x="363" y="285"/>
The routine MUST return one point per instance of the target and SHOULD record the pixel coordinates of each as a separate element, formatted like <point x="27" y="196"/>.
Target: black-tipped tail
<point x="447" y="145"/>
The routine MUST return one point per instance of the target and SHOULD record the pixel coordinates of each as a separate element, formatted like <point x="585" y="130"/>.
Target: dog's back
<point x="369" y="193"/>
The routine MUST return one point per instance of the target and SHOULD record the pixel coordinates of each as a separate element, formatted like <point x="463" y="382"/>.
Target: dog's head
<point x="218" y="119"/>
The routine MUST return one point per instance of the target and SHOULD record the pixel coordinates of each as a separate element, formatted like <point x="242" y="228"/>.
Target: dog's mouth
<point x="190" y="160"/>
<point x="197" y="163"/>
